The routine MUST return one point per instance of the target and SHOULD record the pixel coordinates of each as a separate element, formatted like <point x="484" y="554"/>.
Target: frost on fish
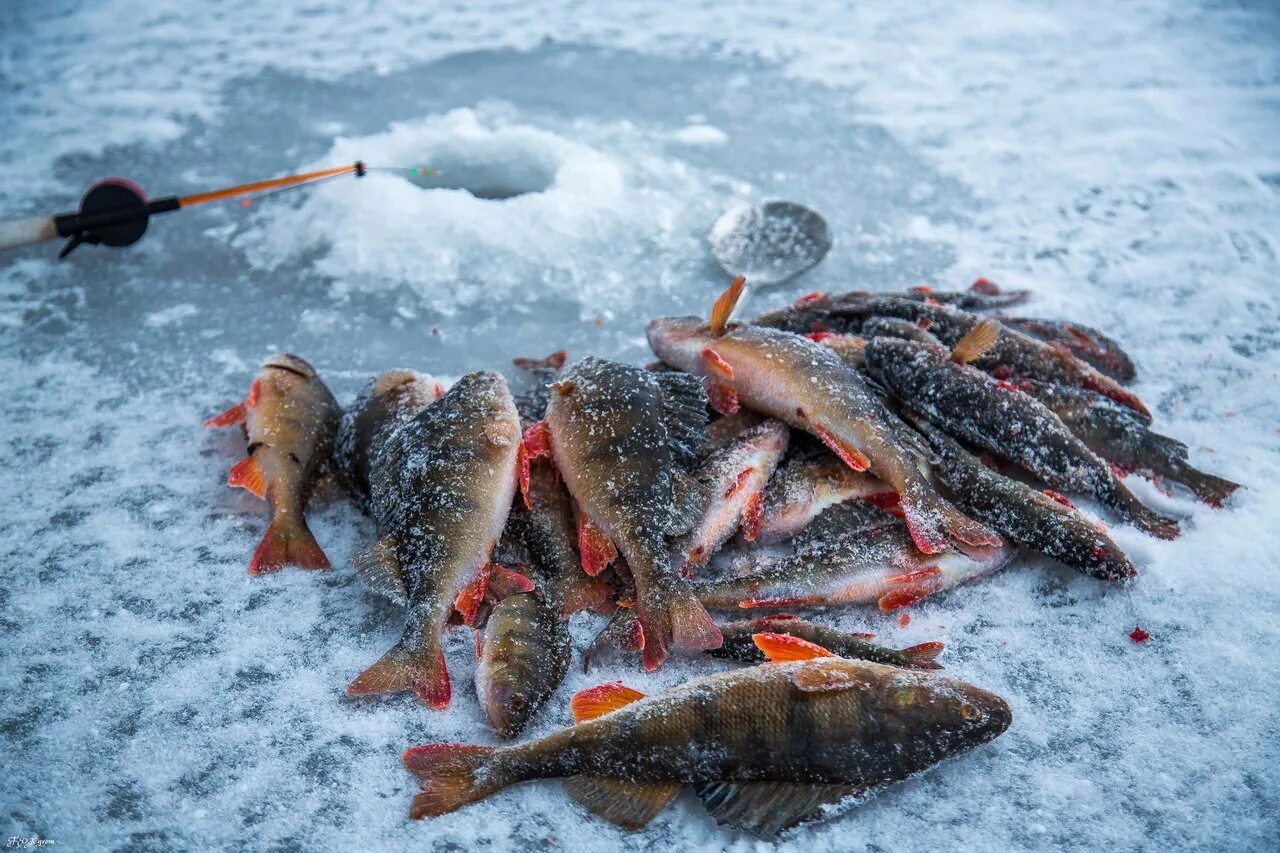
<point x="1040" y="521"/>
<point x="733" y="481"/>
<point x="1015" y="355"/>
<point x="807" y="386"/>
<point x="1084" y="342"/>
<point x="765" y="748"/>
<point x="624" y="439"/>
<point x="440" y="484"/>
<point x="385" y="402"/>
<point x="879" y="566"/>
<point x="806" y="486"/>
<point x="1123" y="438"/>
<point x="290" y="420"/>
<point x="1002" y="419"/>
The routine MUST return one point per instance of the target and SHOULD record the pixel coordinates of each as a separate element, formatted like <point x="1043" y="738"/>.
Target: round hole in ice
<point x="501" y="166"/>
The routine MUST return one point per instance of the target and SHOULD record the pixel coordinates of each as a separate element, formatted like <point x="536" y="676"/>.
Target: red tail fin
<point x="924" y="655"/>
<point x="421" y="670"/>
<point x="674" y="616"/>
<point x="288" y="542"/>
<point x="451" y="776"/>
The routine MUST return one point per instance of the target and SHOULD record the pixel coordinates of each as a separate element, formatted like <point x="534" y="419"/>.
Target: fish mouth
<point x="667" y="333"/>
<point x="988" y="715"/>
<point x="291" y="363"/>
<point x="508" y="711"/>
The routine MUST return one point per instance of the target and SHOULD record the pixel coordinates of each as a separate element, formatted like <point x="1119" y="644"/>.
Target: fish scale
<point x="765" y="747"/>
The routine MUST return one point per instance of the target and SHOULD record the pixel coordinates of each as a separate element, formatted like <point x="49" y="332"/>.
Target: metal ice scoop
<point x="770" y="242"/>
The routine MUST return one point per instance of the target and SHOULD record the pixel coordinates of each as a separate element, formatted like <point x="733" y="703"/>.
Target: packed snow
<point x="1122" y="160"/>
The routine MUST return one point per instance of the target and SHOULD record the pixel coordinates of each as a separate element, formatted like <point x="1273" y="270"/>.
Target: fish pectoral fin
<point x="598" y="701"/>
<point x="765" y="809"/>
<point x="505" y="582"/>
<point x="684" y="414"/>
<point x="713" y="362"/>
<point x="247" y="474"/>
<point x="379" y="568"/>
<point x="594" y="546"/>
<point x="829" y="675"/>
<point x="848" y="454"/>
<point x="780" y="648"/>
<point x="232" y="416"/>
<point x="473" y="595"/>
<point x="630" y="805"/>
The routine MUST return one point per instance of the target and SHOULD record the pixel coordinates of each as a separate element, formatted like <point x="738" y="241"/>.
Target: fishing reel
<point x="114" y="212"/>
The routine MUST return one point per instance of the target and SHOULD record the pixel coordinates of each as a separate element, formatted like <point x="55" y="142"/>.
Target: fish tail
<point x="421" y="670"/>
<point x="453" y="775"/>
<point x="923" y="655"/>
<point x="933" y="523"/>
<point x="1145" y="518"/>
<point x="287" y="542"/>
<point x="673" y="616"/>
<point x="1211" y="489"/>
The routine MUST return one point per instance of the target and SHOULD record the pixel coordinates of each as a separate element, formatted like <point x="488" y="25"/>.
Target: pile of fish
<point x="854" y="449"/>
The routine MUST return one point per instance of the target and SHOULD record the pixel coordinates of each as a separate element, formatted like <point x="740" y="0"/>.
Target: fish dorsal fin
<point x="849" y="347"/>
<point x="828" y="675"/>
<point x="725" y="304"/>
<point x="684" y="413"/>
<point x="780" y="648"/>
<point x="630" y="805"/>
<point x="379" y="568"/>
<point x="976" y="341"/>
<point x="765" y="809"/>
<point x="598" y="701"/>
<point x="551" y="363"/>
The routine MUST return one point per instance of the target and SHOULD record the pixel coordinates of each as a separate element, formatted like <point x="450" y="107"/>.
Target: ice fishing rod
<point x="114" y="212"/>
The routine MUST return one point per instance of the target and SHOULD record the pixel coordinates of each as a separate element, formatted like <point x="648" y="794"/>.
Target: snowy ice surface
<point x="1120" y="159"/>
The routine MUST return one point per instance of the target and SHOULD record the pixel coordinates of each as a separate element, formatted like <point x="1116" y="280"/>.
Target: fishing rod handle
<point x="24" y="232"/>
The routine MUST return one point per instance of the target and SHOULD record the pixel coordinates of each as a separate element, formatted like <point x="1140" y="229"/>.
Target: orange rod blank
<point x="277" y="183"/>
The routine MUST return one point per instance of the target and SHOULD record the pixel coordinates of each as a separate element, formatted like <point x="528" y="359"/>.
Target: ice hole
<point x="491" y="169"/>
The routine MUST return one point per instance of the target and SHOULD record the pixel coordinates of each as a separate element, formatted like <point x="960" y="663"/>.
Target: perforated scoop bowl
<point x="770" y="242"/>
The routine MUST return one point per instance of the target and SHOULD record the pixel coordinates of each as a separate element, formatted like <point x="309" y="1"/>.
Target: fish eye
<point x="969" y="712"/>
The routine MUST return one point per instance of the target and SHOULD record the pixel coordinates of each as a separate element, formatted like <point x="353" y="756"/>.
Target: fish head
<point x="483" y="389"/>
<point x="484" y="399"/>
<point x="290" y="363"/>
<point x="977" y="716"/>
<point x="947" y="714"/>
<point x="679" y="341"/>
<point x="507" y="706"/>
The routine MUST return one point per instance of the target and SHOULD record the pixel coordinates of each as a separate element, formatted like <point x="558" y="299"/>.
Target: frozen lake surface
<point x="1122" y="160"/>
